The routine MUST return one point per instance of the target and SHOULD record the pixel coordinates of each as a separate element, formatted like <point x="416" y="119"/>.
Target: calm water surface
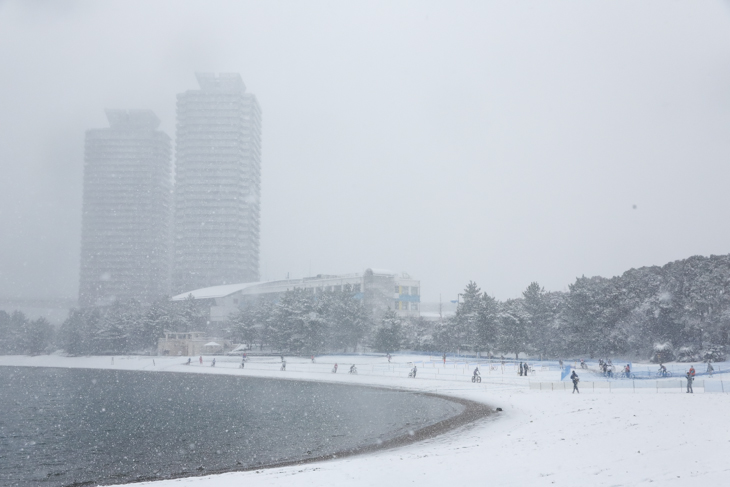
<point x="73" y="426"/>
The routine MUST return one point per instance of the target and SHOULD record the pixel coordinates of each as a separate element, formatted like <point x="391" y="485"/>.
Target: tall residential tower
<point x="217" y="184"/>
<point x="126" y="219"/>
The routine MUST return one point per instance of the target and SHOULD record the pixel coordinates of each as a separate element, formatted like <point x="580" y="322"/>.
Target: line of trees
<point x="20" y="335"/>
<point x="681" y="309"/>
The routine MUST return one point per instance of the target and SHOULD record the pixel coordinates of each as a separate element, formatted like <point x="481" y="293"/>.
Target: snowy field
<point x="632" y="436"/>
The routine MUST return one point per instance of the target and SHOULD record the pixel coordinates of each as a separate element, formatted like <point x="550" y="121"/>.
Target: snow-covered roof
<point x="381" y="272"/>
<point x="215" y="291"/>
<point x="212" y="344"/>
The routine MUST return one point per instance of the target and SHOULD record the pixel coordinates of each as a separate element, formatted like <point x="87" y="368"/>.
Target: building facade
<point x="125" y="235"/>
<point x="379" y="289"/>
<point x="191" y="343"/>
<point x="217" y="184"/>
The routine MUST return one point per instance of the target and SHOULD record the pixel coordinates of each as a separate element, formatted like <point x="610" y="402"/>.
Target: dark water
<point x="64" y="426"/>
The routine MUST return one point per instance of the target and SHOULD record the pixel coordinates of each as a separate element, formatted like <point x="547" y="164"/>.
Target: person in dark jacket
<point x="690" y="379"/>
<point x="575" y="379"/>
<point x="520" y="368"/>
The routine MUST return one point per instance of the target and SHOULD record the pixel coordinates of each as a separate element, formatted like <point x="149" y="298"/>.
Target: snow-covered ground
<point x="634" y="437"/>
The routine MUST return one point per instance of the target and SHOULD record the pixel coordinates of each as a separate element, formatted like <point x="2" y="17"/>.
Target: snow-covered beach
<point x="629" y="437"/>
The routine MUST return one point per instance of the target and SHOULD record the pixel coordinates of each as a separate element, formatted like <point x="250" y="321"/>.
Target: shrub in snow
<point x="662" y="352"/>
<point x="687" y="354"/>
<point x="713" y="354"/>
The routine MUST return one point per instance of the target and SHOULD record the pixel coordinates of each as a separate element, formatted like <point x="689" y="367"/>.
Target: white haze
<point x="502" y="142"/>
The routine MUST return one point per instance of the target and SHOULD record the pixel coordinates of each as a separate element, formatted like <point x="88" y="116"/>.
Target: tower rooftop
<point x="222" y="82"/>
<point x="132" y="119"/>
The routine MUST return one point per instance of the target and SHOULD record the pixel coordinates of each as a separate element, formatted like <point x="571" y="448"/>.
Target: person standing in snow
<point x="690" y="379"/>
<point x="574" y="377"/>
<point x="710" y="369"/>
<point x="201" y="360"/>
<point x="444" y="358"/>
<point x="212" y="364"/>
<point x="520" y="369"/>
<point x="692" y="370"/>
<point x="189" y="360"/>
<point x="334" y="369"/>
<point x="283" y="365"/>
<point x="243" y="361"/>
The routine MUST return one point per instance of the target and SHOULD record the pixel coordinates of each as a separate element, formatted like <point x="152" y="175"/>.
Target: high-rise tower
<point x="217" y="184"/>
<point x="127" y="205"/>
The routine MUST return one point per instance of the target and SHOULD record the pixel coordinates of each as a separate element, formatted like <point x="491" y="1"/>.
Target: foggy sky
<point x="501" y="142"/>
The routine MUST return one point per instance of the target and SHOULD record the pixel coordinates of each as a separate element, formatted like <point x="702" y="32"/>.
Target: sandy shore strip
<point x="541" y="438"/>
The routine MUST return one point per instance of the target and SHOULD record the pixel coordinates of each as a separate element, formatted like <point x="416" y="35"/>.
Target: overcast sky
<point x="500" y="142"/>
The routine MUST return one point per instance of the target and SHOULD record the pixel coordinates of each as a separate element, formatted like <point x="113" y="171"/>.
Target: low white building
<point x="190" y="343"/>
<point x="378" y="288"/>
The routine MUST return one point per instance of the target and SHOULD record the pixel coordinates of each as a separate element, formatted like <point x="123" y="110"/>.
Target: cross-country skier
<point x="574" y="377"/>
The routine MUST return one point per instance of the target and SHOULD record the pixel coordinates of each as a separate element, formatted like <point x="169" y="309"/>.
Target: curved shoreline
<point x="472" y="412"/>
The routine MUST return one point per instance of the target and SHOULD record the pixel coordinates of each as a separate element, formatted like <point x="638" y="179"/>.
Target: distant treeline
<point x="682" y="308"/>
<point x="19" y="335"/>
